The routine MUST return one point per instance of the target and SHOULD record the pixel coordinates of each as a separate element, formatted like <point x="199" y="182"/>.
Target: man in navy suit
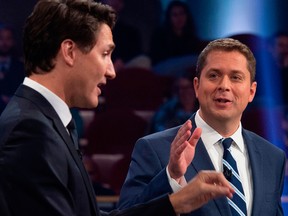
<point x="224" y="85"/>
<point x="67" y="47"/>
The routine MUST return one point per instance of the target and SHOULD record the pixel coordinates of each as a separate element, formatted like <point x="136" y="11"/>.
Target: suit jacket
<point x="147" y="173"/>
<point x="40" y="170"/>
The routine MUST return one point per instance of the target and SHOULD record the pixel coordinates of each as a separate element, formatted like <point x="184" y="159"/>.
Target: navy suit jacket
<point x="147" y="177"/>
<point x="41" y="173"/>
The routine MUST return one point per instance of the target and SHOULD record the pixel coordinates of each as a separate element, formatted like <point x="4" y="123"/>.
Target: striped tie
<point x="237" y="203"/>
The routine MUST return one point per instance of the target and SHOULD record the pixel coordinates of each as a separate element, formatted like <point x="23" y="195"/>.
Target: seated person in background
<point x="278" y="48"/>
<point x="179" y="107"/>
<point x="176" y="37"/>
<point x="224" y="85"/>
<point x="128" y="40"/>
<point x="11" y="68"/>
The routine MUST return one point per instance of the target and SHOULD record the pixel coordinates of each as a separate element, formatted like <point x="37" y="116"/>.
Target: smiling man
<point x="224" y="85"/>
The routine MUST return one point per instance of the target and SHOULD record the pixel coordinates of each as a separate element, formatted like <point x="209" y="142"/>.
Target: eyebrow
<point x="219" y="70"/>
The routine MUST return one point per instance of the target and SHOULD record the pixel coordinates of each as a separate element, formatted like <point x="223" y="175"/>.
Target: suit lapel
<point x="62" y="131"/>
<point x="256" y="164"/>
<point x="201" y="159"/>
<point x="49" y="112"/>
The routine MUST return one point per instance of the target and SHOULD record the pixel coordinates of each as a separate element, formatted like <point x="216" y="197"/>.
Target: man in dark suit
<point x="224" y="85"/>
<point x="67" y="47"/>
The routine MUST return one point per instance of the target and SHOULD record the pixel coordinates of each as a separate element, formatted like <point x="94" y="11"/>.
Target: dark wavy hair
<point x="53" y="21"/>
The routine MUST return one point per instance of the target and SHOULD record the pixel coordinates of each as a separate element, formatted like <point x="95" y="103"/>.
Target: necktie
<point x="74" y="135"/>
<point x="237" y="203"/>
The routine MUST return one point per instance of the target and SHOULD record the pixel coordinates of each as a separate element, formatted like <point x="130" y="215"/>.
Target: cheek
<point x="87" y="81"/>
<point x="251" y="97"/>
<point x="204" y="91"/>
<point x="244" y="94"/>
<point x="201" y="93"/>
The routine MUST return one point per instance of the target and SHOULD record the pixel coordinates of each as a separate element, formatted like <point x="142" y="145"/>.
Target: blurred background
<point x="157" y="48"/>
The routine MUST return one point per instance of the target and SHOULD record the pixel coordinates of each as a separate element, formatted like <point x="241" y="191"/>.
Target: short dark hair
<point x="229" y="45"/>
<point x="53" y="21"/>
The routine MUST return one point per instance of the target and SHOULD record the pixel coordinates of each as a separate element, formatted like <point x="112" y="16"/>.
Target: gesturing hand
<point x="183" y="150"/>
<point x="207" y="185"/>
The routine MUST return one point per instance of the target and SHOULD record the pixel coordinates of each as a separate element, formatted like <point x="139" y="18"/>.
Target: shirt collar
<point x="210" y="136"/>
<point x="57" y="103"/>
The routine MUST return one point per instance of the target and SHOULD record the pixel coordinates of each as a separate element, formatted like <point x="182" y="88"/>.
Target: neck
<point x="51" y="82"/>
<point x="225" y="127"/>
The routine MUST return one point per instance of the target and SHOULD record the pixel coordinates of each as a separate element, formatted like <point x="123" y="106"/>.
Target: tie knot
<point x="227" y="143"/>
<point x="71" y="125"/>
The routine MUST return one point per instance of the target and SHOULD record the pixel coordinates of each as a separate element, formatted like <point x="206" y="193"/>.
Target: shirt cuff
<point x="174" y="184"/>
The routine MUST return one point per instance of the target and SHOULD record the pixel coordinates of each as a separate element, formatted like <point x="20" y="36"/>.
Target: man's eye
<point x="212" y="75"/>
<point x="237" y="78"/>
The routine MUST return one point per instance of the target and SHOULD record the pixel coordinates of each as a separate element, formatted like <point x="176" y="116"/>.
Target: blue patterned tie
<point x="237" y="203"/>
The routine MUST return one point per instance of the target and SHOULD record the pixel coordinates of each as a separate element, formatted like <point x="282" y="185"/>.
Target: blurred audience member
<point x="278" y="48"/>
<point x="11" y="68"/>
<point x="128" y="40"/>
<point x="176" y="37"/>
<point x="179" y="107"/>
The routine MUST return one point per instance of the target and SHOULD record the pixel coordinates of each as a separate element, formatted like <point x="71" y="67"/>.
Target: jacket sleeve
<point x="155" y="207"/>
<point x="146" y="178"/>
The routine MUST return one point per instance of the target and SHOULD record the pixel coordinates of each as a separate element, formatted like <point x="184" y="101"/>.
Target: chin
<point x="91" y="105"/>
<point x="94" y="103"/>
<point x="224" y="116"/>
<point x="88" y="104"/>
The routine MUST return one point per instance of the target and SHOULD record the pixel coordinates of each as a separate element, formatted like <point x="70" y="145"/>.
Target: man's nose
<point x="111" y="74"/>
<point x="224" y="83"/>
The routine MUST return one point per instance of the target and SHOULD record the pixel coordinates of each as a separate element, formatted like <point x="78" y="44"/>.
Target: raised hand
<point x="183" y="150"/>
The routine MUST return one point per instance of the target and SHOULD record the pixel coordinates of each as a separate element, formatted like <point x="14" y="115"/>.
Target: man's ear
<point x="68" y="51"/>
<point x="196" y="85"/>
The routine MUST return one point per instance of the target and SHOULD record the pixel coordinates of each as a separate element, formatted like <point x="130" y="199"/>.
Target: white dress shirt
<point x="57" y="103"/>
<point x="211" y="140"/>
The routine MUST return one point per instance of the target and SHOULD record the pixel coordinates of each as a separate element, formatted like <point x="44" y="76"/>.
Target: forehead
<point x="226" y="60"/>
<point x="105" y="37"/>
<point x="223" y="56"/>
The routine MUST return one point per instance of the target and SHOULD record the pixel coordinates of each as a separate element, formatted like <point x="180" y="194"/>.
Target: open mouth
<point x="101" y="85"/>
<point x="221" y="100"/>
